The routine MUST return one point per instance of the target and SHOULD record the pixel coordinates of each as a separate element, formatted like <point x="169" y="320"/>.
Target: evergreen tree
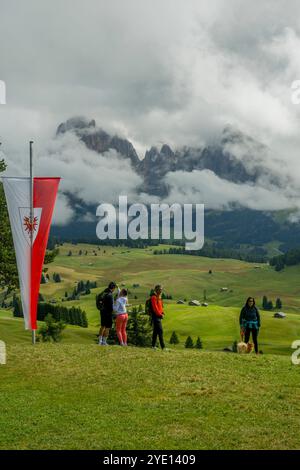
<point x="278" y="303"/>
<point x="189" y="343"/>
<point x="270" y="305"/>
<point x="51" y="330"/>
<point x="139" y="331"/>
<point x="174" y="338"/>
<point x="50" y="255"/>
<point x="14" y="301"/>
<point x="199" y="343"/>
<point x="279" y="266"/>
<point x="18" y="311"/>
<point x="70" y="253"/>
<point x="265" y="303"/>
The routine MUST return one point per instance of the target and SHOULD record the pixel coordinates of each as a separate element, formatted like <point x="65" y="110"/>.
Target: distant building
<point x="279" y="315"/>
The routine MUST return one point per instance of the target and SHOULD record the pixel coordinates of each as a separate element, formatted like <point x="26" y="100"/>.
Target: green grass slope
<point x="183" y="276"/>
<point x="77" y="395"/>
<point x="86" y="397"/>
<point x="217" y="327"/>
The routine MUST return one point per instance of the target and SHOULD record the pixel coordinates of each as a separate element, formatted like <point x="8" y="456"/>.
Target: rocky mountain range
<point x="236" y="157"/>
<point x="158" y="162"/>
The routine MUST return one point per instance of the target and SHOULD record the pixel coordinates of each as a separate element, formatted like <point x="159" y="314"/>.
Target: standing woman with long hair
<point x="250" y="321"/>
<point x="120" y="308"/>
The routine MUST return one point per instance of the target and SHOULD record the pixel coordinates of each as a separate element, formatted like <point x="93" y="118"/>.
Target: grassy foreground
<point x="76" y="395"/>
<point x="67" y="396"/>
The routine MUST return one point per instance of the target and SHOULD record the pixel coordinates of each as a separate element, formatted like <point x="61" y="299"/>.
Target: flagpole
<point x="31" y="216"/>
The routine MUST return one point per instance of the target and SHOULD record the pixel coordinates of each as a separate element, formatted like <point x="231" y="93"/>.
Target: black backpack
<point x="148" y="307"/>
<point x="100" y="300"/>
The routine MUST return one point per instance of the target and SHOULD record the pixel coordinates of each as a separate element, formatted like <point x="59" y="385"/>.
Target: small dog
<point x="244" y="348"/>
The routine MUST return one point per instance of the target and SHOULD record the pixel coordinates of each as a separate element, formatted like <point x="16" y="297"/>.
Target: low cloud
<point x="204" y="187"/>
<point x="155" y="72"/>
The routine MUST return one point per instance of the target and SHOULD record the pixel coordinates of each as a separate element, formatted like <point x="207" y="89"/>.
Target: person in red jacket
<point x="157" y="309"/>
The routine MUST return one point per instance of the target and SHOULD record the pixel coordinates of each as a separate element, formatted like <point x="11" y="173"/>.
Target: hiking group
<point x="111" y="306"/>
<point x="116" y="306"/>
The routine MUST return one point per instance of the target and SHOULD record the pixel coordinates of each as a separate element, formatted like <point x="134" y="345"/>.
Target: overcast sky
<point x="156" y="71"/>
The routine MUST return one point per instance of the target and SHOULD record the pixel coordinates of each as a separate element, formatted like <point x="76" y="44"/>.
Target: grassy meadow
<point x="77" y="395"/>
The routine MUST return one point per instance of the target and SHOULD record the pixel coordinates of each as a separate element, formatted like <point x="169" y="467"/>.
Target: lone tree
<point x="279" y="266"/>
<point x="199" y="344"/>
<point x="56" y="277"/>
<point x="17" y="307"/>
<point x="139" y="331"/>
<point x="51" y="330"/>
<point x="265" y="302"/>
<point x="189" y="343"/>
<point x="174" y="338"/>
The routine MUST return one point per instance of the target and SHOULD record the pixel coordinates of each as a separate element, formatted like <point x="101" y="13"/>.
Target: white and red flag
<point x="30" y="236"/>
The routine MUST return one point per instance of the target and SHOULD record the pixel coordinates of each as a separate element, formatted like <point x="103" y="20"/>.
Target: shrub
<point x="138" y="330"/>
<point x="189" y="343"/>
<point x="51" y="330"/>
<point x="17" y="306"/>
<point x="174" y="338"/>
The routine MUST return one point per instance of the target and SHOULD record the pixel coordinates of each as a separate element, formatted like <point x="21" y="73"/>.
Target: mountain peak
<point x="167" y="151"/>
<point x="97" y="139"/>
<point x="74" y="124"/>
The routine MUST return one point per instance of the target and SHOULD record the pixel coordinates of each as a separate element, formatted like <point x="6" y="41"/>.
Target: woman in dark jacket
<point x="250" y="321"/>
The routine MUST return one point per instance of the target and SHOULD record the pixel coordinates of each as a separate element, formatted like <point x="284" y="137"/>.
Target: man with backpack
<point x="105" y="303"/>
<point x="157" y="312"/>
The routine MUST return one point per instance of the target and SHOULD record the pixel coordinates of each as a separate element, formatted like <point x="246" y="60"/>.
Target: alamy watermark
<point x="135" y="221"/>
<point x="2" y="353"/>
<point x="294" y="357"/>
<point x="2" y="92"/>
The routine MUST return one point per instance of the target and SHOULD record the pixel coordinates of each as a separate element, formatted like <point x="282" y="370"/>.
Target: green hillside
<point x="183" y="276"/>
<point x="86" y="397"/>
<point x="78" y="395"/>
